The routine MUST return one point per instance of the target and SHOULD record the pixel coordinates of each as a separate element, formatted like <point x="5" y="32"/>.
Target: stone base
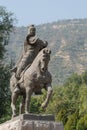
<point x="32" y="122"/>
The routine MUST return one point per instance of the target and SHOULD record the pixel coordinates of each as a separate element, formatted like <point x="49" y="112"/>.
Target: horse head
<point x="44" y="60"/>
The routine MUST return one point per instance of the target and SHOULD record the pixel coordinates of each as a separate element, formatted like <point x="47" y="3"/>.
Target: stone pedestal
<point x="32" y="122"/>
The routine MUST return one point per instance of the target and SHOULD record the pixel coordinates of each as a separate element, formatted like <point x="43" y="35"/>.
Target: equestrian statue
<point x="30" y="75"/>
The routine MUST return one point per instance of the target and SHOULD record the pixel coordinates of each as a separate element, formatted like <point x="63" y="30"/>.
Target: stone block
<point x="32" y="122"/>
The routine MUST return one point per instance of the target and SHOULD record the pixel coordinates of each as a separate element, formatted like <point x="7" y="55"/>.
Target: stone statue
<point x="32" y="46"/>
<point x="35" y="77"/>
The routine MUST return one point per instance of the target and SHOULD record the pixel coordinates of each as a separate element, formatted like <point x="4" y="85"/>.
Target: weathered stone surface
<point x="23" y="122"/>
<point x="30" y="116"/>
<point x="11" y="125"/>
<point x="27" y="125"/>
<point x="57" y="126"/>
<point x="41" y="125"/>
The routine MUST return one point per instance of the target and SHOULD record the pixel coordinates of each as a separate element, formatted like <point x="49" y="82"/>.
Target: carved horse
<point x="33" y="79"/>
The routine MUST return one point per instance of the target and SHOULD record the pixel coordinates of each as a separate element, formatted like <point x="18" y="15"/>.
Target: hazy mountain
<point x="68" y="42"/>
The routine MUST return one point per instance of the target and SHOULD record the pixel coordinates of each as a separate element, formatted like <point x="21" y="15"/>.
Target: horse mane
<point x="38" y="56"/>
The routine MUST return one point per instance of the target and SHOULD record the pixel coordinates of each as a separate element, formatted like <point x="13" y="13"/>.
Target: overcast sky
<point x="45" y="11"/>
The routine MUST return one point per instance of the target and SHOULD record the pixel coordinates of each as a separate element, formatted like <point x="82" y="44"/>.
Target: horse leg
<point x="13" y="104"/>
<point x="22" y="105"/>
<point x="28" y="98"/>
<point x="49" y="93"/>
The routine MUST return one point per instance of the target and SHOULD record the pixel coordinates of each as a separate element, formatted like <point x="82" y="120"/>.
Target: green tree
<point x="82" y="123"/>
<point x="84" y="77"/>
<point x="68" y="102"/>
<point x="6" y="26"/>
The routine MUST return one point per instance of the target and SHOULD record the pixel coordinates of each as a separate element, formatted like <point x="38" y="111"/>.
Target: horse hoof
<point x="43" y="105"/>
<point x="13" y="115"/>
<point x="26" y="112"/>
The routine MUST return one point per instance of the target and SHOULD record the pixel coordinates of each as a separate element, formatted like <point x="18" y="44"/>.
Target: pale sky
<point x="45" y="11"/>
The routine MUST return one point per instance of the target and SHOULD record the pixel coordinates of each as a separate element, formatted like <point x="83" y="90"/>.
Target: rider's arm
<point x="43" y="44"/>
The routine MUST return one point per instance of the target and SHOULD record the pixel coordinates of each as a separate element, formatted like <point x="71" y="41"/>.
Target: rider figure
<point x="32" y="46"/>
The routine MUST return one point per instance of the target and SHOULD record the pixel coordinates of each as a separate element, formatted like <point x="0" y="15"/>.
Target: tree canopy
<point x="6" y="26"/>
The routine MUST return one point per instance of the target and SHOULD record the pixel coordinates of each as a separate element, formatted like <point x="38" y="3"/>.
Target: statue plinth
<point x="32" y="122"/>
<point x="41" y="117"/>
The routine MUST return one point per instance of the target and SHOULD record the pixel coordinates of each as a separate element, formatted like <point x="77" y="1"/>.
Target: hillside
<point x="68" y="42"/>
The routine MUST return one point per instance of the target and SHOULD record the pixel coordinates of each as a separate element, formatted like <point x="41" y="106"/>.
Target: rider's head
<point x="31" y="30"/>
